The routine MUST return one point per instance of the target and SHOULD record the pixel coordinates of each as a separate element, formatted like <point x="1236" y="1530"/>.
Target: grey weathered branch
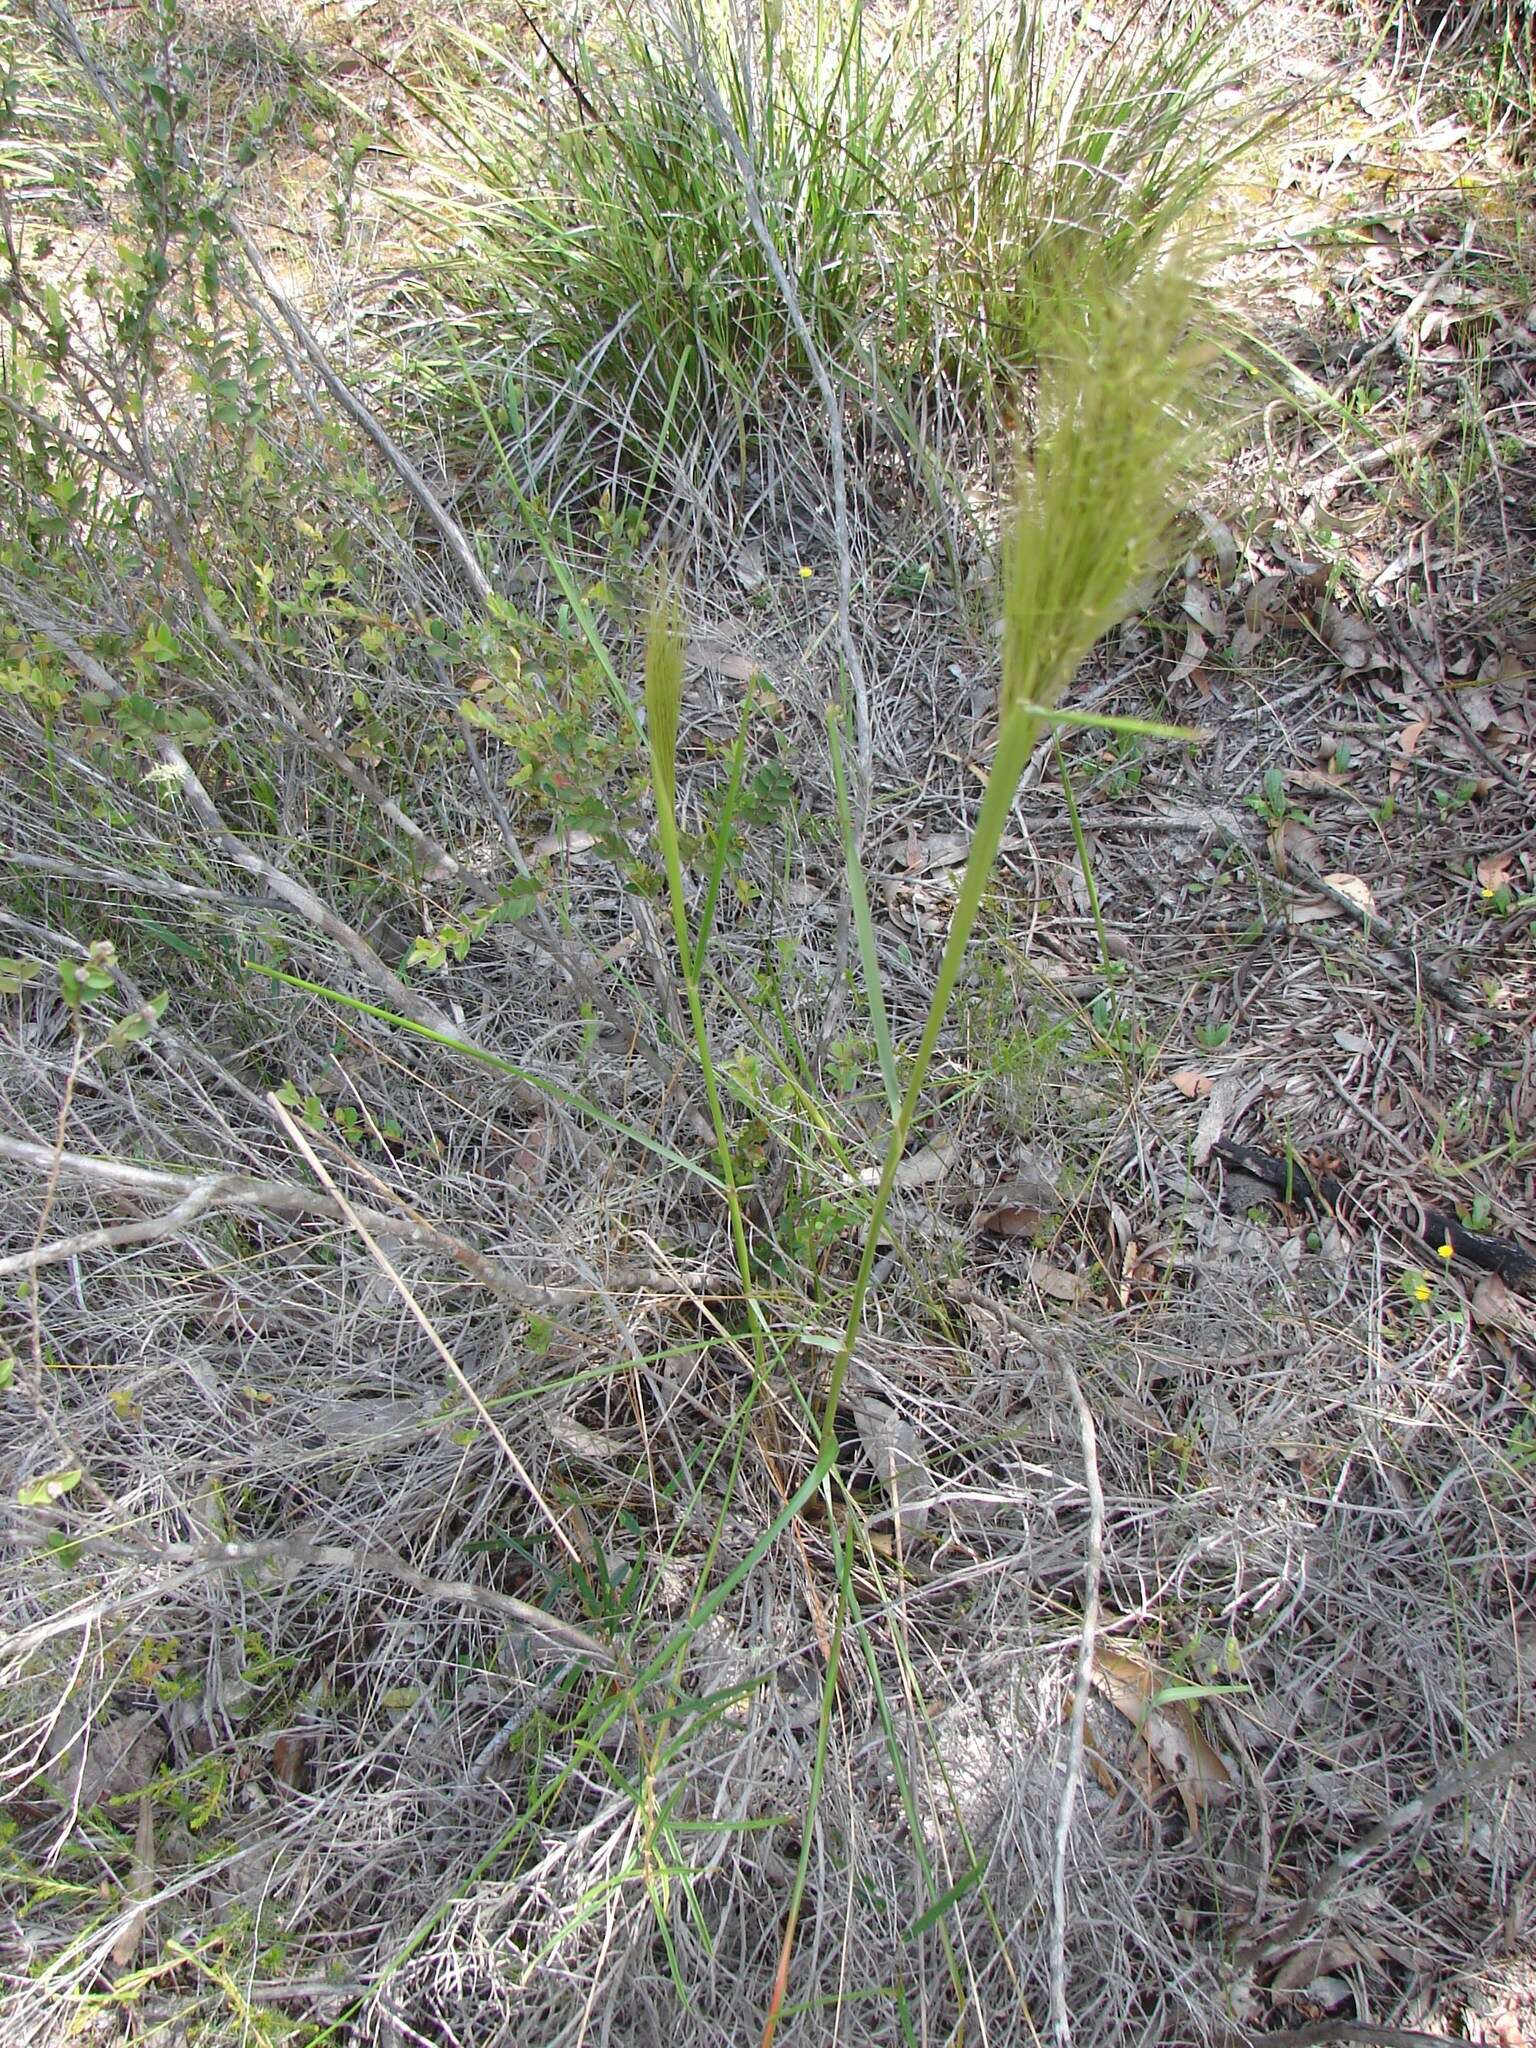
<point x="546" y="1630"/>
<point x="192" y="1195"/>
<point x="454" y="537"/>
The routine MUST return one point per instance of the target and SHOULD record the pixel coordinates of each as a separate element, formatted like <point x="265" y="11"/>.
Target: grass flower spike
<point x="1095" y="491"/>
<point x="1091" y="519"/>
<point x="664" y="696"/>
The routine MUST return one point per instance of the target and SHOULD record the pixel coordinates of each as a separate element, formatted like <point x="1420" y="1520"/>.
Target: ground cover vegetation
<point x="765" y="1023"/>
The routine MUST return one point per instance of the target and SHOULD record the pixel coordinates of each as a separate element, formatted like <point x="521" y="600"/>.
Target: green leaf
<point x="159" y="644"/>
<point x="1170" y="1695"/>
<point x="42" y="1493"/>
<point x="967" y="1881"/>
<point x="138" y="1024"/>
<point x="16" y="973"/>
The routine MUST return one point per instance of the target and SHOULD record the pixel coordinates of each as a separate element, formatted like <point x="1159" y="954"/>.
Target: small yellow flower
<point x="1421" y="1292"/>
<point x="806" y="571"/>
<point x="1487" y="894"/>
<point x="1447" y="1251"/>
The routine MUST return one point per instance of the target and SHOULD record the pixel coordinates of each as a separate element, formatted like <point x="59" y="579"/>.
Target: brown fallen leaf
<point x="1146" y="1271"/>
<point x="938" y="850"/>
<point x="1494" y="872"/>
<point x="1191" y="1083"/>
<point x="925" y="905"/>
<point x="1055" y="1282"/>
<point x="1012" y="1220"/>
<point x="722" y="658"/>
<point x="1289" y="841"/>
<point x="1508" y="665"/>
<point x="919" y="1169"/>
<point x="1201" y="604"/>
<point x="1348" y="637"/>
<point x="1356" y="890"/>
<point x="140" y="1885"/>
<point x="118" y="1758"/>
<point x="1223" y="545"/>
<point x="569" y="843"/>
<point x="1314" y="1962"/>
<point x="1196" y="648"/>
<point x="1243" y="645"/>
<point x="1479" y="710"/>
<point x="1138" y="1689"/>
<point x="528" y="1162"/>
<point x="595" y="1445"/>
<point x="1407" y="745"/>
<point x="1264" y="603"/>
<point x="1320" y="907"/>
<point x="1496" y="1306"/>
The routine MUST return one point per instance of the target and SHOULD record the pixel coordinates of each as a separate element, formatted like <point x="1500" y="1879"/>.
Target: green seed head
<point x="1095" y="495"/>
<point x="664" y="691"/>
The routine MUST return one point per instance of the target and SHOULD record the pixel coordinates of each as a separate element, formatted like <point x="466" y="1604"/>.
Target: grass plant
<point x="929" y="184"/>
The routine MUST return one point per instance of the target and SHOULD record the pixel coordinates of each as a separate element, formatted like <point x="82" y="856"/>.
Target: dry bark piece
<point x="290" y="1758"/>
<point x="1220" y="1106"/>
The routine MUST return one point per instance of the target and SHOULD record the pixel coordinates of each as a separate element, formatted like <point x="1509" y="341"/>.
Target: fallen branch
<point x="1507" y="1762"/>
<point x="193" y="1194"/>
<point x="546" y="1630"/>
<point x="454" y="537"/>
<point x="1325" y="1193"/>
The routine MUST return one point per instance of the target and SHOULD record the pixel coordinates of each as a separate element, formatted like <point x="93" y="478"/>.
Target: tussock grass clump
<point x="928" y="189"/>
